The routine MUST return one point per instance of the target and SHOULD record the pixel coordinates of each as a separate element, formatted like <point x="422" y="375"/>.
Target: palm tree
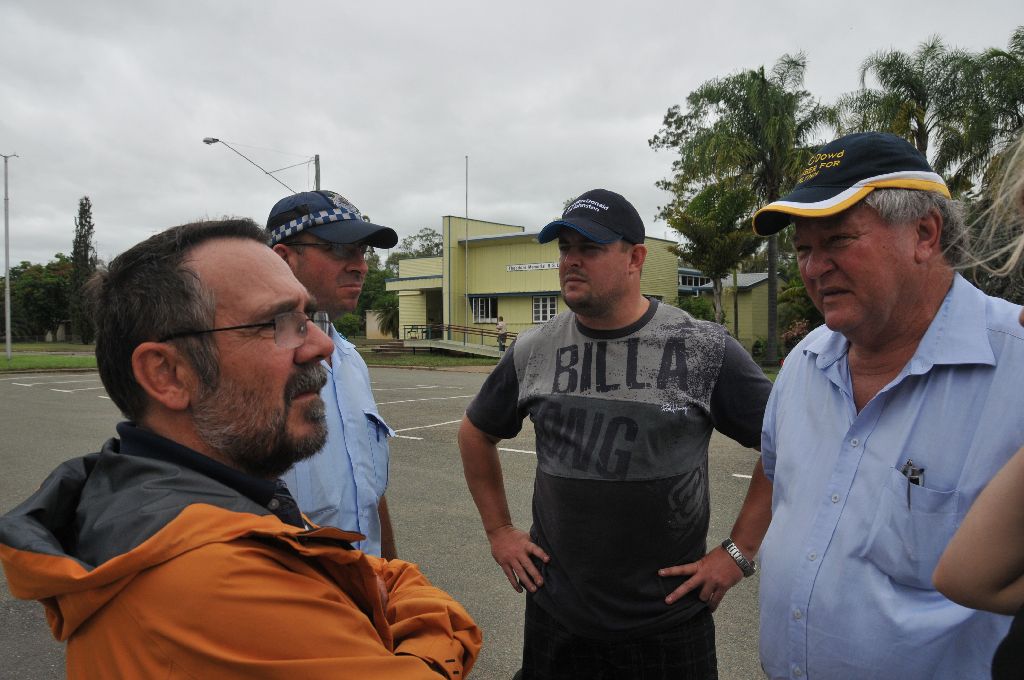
<point x="960" y="108"/>
<point x="387" y="315"/>
<point x="754" y="127"/>
<point x="915" y="93"/>
<point x="994" y="117"/>
<point x="716" y="225"/>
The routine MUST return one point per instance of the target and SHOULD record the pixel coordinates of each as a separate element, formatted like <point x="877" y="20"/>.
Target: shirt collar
<point x="957" y="335"/>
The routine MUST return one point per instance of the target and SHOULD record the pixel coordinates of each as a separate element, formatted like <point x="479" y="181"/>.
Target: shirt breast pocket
<point x="377" y="433"/>
<point x="904" y="542"/>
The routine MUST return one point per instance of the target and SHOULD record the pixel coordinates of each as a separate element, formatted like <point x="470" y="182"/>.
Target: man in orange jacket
<point x="175" y="551"/>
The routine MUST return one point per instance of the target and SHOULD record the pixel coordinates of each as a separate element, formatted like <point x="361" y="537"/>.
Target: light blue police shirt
<point x="342" y="484"/>
<point x="846" y="565"/>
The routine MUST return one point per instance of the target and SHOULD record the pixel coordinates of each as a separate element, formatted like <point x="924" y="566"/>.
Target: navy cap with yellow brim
<point x="843" y="172"/>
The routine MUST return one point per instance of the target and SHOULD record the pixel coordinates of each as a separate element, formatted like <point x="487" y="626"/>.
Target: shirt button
<point x="274" y="504"/>
<point x="854" y="442"/>
<point x="812" y="556"/>
<point x="798" y="672"/>
<point x="835" y="498"/>
<point x="797" y="615"/>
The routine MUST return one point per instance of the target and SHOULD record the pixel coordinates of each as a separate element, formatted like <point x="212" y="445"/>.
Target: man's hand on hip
<point x="513" y="550"/>
<point x="714" y="574"/>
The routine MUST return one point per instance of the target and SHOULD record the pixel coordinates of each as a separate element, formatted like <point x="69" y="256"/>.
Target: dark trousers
<point x="550" y="652"/>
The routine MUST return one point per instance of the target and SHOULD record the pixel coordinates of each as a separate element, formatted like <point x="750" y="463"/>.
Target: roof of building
<point x="743" y="280"/>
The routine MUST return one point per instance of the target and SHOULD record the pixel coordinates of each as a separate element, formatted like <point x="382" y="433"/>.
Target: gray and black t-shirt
<point x="622" y="419"/>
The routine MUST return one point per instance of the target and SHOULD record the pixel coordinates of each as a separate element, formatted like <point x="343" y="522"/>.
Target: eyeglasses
<point x="339" y="251"/>
<point x="290" y="328"/>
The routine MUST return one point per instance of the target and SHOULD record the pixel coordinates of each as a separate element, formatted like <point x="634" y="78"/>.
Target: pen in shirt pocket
<point x="914" y="475"/>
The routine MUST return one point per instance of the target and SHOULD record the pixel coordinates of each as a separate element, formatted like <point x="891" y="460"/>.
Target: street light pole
<point x="7" y="260"/>
<point x="214" y="140"/>
<point x="270" y="173"/>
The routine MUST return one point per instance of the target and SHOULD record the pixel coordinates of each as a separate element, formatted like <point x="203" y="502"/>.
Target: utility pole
<point x="7" y="260"/>
<point x="316" y="180"/>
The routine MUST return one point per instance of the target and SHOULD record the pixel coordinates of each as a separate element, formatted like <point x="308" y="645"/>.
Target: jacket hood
<point x="99" y="520"/>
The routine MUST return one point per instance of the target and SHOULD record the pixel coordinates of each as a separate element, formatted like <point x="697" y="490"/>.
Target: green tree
<point x="83" y="263"/>
<point x="990" y="119"/>
<point x="40" y="296"/>
<point x="716" y="227"/>
<point x="375" y="295"/>
<point x="959" y="108"/>
<point x="914" y="93"/>
<point x="387" y="310"/>
<point x="697" y="306"/>
<point x="426" y="242"/>
<point x="754" y="127"/>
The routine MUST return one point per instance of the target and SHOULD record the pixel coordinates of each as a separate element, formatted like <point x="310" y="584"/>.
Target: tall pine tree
<point x="83" y="262"/>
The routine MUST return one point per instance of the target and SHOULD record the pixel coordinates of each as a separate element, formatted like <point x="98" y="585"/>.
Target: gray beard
<point x="237" y="424"/>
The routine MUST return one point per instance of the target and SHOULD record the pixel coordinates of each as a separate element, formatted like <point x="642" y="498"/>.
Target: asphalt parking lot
<point x="46" y="419"/>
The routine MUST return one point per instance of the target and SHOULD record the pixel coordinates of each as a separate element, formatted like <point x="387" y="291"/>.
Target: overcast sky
<point x="548" y="99"/>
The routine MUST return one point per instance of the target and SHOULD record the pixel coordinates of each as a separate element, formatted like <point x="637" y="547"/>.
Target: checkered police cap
<point x="327" y="215"/>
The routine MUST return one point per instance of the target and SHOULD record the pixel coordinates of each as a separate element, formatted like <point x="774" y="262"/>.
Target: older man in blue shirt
<point x="881" y="430"/>
<point x="324" y="239"/>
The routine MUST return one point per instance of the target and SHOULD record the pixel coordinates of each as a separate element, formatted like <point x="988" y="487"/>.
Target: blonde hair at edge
<point x="1000" y="245"/>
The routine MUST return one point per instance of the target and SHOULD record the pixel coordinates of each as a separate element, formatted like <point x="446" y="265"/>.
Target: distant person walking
<point x="502" y="329"/>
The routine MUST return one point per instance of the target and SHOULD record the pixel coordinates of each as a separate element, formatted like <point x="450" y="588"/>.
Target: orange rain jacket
<point x="151" y="570"/>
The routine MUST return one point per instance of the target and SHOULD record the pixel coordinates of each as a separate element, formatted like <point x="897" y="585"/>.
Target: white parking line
<point x="36" y="375"/>
<point x="741" y="476"/>
<point x="405" y="436"/>
<point x="55" y="382"/>
<point x="406" y="401"/>
<point x="78" y="389"/>
<point x="424" y="427"/>
<point x="532" y="453"/>
<point x="417" y="387"/>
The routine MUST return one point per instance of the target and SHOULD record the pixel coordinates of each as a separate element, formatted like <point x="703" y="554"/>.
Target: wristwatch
<point x="746" y="566"/>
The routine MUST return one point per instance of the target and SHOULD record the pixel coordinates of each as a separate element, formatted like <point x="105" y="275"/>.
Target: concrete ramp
<point x="456" y="346"/>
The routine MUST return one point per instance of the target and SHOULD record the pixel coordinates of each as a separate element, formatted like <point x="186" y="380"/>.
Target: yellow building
<point x="488" y="270"/>
<point x="752" y="295"/>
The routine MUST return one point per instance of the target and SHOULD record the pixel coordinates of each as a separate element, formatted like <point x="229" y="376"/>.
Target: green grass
<point x="44" y="362"/>
<point x="51" y="347"/>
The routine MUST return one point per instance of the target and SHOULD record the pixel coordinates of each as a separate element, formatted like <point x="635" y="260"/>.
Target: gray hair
<point x="899" y="206"/>
<point x="147" y="293"/>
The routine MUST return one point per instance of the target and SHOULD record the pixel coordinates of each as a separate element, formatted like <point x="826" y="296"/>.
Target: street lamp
<point x="7" y="261"/>
<point x="270" y="173"/>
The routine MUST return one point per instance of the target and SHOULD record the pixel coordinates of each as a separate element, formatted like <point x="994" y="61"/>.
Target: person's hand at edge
<point x="714" y="574"/>
<point x="513" y="550"/>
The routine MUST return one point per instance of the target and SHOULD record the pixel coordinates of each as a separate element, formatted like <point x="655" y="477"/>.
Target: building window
<point x="693" y="281"/>
<point x="544" y="308"/>
<point x="485" y="309"/>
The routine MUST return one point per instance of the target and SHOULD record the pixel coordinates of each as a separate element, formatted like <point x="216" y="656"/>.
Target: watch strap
<point x="746" y="566"/>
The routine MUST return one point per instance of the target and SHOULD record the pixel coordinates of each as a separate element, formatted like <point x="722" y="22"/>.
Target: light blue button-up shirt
<point x="343" y="483"/>
<point x="846" y="564"/>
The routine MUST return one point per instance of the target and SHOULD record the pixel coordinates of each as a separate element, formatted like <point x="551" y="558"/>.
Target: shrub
<point x="348" y="325"/>
<point x="699" y="307"/>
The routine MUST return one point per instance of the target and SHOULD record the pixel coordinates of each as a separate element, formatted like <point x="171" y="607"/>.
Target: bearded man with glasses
<point x="176" y="550"/>
<point x="324" y="239"/>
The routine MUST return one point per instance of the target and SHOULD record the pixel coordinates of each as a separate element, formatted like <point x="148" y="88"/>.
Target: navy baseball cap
<point x="601" y="216"/>
<point x="843" y="172"/>
<point x="327" y="215"/>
